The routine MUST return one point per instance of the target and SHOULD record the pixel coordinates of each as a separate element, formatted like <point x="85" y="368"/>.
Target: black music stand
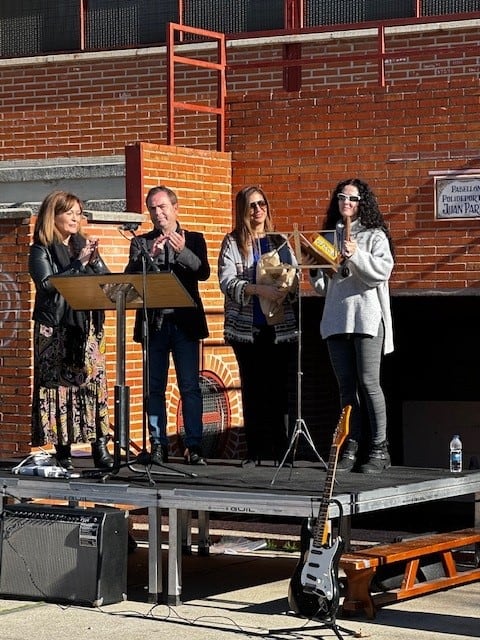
<point x="300" y="428"/>
<point x="121" y="291"/>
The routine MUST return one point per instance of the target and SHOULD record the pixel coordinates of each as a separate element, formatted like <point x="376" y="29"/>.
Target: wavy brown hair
<point x="45" y="232"/>
<point x="242" y="231"/>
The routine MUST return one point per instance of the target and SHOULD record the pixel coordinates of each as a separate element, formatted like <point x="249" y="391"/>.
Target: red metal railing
<point x="381" y="56"/>
<point x="219" y="67"/>
<point x="292" y="63"/>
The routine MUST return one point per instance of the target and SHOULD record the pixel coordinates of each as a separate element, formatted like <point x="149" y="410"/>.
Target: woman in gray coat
<point x="356" y="321"/>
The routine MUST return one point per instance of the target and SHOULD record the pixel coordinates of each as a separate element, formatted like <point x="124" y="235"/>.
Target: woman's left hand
<point x="349" y="248"/>
<point x="274" y="294"/>
<point x="89" y="253"/>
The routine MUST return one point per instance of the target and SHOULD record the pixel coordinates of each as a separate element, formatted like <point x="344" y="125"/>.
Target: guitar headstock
<point x="343" y="427"/>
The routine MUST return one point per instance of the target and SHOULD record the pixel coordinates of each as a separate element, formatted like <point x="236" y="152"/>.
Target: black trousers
<point x="265" y="373"/>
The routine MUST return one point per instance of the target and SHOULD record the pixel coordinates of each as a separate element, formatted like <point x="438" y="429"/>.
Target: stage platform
<point x="227" y="487"/>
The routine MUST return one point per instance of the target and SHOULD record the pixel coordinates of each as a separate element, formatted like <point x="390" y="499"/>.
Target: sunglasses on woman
<point x="261" y="204"/>
<point x="343" y="197"/>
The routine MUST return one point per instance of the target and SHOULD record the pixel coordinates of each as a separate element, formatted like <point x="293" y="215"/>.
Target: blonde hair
<point x="243" y="229"/>
<point x="57" y="202"/>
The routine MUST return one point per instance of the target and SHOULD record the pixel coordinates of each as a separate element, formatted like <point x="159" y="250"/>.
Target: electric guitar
<point x="314" y="589"/>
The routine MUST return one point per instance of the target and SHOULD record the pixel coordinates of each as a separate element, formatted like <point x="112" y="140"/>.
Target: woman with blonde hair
<point x="69" y="403"/>
<point x="263" y="343"/>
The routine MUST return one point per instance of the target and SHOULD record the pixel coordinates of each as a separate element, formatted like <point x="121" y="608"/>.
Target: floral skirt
<point x="68" y="406"/>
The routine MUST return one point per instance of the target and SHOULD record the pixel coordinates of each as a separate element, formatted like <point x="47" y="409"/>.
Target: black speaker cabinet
<point x="63" y="554"/>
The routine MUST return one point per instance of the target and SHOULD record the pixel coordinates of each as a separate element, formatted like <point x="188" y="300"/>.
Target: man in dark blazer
<point x="168" y="247"/>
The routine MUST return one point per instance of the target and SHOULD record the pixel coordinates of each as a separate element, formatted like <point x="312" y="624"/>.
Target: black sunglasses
<point x="261" y="204"/>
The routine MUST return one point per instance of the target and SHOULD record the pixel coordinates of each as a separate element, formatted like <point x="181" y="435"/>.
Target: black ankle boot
<point x="63" y="455"/>
<point x="101" y="458"/>
<point x="349" y="456"/>
<point x="378" y="459"/>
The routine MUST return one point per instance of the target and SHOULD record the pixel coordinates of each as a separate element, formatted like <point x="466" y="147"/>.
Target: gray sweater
<point x="358" y="302"/>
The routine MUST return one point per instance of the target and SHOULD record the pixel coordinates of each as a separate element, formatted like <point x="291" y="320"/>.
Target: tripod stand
<point x="300" y="429"/>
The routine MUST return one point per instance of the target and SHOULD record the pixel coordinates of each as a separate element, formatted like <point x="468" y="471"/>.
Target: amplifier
<point x="63" y="554"/>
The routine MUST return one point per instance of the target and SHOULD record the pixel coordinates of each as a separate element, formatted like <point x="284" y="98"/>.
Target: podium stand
<point x="120" y="291"/>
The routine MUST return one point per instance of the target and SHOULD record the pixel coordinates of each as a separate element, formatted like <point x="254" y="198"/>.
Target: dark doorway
<point x="435" y="359"/>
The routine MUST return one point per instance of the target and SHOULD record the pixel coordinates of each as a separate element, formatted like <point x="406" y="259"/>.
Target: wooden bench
<point x="360" y="567"/>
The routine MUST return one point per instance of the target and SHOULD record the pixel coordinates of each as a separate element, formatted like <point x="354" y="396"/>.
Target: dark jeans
<point x="186" y="358"/>
<point x="264" y="374"/>
<point x="356" y="362"/>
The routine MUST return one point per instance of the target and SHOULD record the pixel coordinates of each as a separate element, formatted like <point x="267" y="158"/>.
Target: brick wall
<point x="297" y="145"/>
<point x="394" y="141"/>
<point x="202" y="180"/>
<point x="92" y="104"/>
<point x="15" y="335"/>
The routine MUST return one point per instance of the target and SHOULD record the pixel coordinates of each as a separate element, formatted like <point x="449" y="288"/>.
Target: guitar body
<point x="314" y="589"/>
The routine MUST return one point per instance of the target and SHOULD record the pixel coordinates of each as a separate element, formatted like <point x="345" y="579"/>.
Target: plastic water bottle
<point x="455" y="454"/>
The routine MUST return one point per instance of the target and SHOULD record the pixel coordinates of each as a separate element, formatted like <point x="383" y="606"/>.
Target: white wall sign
<point x="457" y="197"/>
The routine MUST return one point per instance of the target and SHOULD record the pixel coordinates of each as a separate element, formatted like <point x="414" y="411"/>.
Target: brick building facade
<point x="397" y="121"/>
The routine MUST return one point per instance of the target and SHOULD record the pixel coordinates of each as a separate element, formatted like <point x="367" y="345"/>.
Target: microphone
<point x="129" y="226"/>
<point x="143" y="251"/>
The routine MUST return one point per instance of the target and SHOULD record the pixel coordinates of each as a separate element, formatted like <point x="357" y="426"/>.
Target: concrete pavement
<point x="235" y="596"/>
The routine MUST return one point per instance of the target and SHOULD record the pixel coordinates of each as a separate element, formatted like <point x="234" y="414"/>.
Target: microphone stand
<point x="144" y="458"/>
<point x="300" y="428"/>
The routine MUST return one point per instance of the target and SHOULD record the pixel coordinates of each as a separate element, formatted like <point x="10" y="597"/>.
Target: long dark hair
<point x="368" y="210"/>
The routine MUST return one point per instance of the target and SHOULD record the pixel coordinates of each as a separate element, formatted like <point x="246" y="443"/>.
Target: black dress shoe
<point x="192" y="455"/>
<point x="159" y="454"/>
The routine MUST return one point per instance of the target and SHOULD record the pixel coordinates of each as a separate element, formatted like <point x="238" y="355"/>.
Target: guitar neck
<point x="320" y="533"/>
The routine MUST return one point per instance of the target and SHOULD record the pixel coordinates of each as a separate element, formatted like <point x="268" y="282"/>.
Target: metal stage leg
<point x="174" y="591"/>
<point x="155" y="554"/>
<point x="186" y="519"/>
<point x="179" y="542"/>
<point x="203" y="533"/>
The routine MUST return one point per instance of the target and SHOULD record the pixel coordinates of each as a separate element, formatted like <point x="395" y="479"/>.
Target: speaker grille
<point x="62" y="554"/>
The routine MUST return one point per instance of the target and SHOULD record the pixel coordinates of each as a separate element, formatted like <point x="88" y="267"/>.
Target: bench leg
<point x="410" y="575"/>
<point x="358" y="596"/>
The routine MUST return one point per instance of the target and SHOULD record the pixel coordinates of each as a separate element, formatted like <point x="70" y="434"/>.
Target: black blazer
<point x="190" y="266"/>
